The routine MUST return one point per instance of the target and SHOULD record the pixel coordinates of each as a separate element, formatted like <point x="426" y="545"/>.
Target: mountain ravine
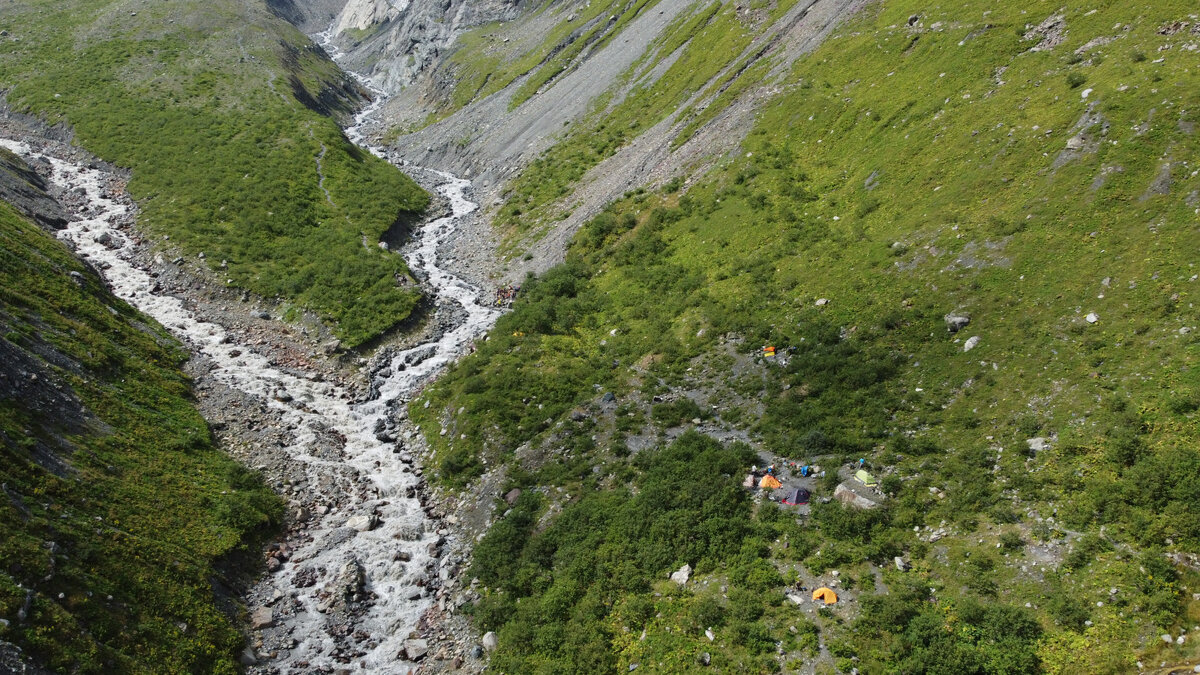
<point x="599" y="336"/>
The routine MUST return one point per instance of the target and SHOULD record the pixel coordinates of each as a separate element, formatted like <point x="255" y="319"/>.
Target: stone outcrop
<point x="393" y="41"/>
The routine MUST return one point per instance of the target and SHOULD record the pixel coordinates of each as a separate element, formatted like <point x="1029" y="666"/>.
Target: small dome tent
<point x="825" y="594"/>
<point x="797" y="496"/>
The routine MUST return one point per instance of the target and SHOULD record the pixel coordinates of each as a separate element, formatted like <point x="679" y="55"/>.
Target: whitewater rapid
<point x="379" y="526"/>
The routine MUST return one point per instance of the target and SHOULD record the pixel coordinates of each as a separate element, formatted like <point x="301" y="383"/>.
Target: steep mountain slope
<point x="226" y="116"/>
<point x="970" y="235"/>
<point x="117" y="504"/>
<point x="392" y="42"/>
<point x="568" y="106"/>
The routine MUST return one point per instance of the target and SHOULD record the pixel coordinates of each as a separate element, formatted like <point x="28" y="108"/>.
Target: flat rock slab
<point x="262" y="617"/>
<point x="851" y="498"/>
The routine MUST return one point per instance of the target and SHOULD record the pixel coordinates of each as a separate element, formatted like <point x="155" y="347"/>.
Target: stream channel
<point x="378" y="545"/>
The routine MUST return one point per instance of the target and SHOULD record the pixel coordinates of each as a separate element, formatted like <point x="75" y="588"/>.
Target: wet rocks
<point x="109" y="241"/>
<point x="305" y="578"/>
<point x="363" y="523"/>
<point x="344" y="589"/>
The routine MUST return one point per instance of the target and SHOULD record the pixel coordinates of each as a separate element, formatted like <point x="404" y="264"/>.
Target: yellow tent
<point x="825" y="594"/>
<point x="865" y="478"/>
<point x="769" y="481"/>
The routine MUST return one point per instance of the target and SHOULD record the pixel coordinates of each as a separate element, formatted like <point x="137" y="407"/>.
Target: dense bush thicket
<point x="903" y="173"/>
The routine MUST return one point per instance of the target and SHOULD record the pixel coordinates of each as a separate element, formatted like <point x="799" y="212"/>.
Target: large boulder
<point x="681" y="575"/>
<point x="262" y="617"/>
<point x="415" y="650"/>
<point x="852" y="499"/>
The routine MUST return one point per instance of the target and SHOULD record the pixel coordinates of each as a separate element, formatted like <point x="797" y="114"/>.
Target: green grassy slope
<point x="223" y="112"/>
<point x="903" y="174"/>
<point x="116" y="502"/>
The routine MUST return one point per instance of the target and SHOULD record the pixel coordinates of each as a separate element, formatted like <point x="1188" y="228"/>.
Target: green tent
<point x="866" y="478"/>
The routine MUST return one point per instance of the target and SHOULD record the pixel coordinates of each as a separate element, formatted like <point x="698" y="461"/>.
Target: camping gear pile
<point x="767" y="479"/>
<point x="506" y="294"/>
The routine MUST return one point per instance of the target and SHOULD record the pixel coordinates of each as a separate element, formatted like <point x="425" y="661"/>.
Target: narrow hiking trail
<point x="355" y="579"/>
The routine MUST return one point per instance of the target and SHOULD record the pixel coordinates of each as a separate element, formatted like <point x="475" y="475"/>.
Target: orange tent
<point x="825" y="594"/>
<point x="769" y="481"/>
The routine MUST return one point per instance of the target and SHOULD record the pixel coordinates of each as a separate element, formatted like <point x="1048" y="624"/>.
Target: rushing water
<point x="373" y="473"/>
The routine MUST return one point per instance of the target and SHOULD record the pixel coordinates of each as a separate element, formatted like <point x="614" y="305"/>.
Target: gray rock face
<point x="393" y="41"/>
<point x="309" y="16"/>
<point x="22" y="187"/>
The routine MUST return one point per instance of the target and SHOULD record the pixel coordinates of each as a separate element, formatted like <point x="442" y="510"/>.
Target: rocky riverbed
<point x="366" y="572"/>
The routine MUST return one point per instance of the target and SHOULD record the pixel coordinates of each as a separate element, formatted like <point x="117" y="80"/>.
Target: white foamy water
<point x="372" y="473"/>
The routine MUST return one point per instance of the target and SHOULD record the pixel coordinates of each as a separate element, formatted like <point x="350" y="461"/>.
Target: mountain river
<point x="380" y="534"/>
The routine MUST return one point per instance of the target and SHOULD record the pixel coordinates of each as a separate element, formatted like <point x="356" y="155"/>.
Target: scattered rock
<point x="1049" y="33"/>
<point x="512" y="495"/>
<point x="821" y="302"/>
<point x="1037" y="444"/>
<point x="900" y="564"/>
<point x="1092" y="317"/>
<point x="971" y="343"/>
<point x="956" y="321"/>
<point x="489" y="641"/>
